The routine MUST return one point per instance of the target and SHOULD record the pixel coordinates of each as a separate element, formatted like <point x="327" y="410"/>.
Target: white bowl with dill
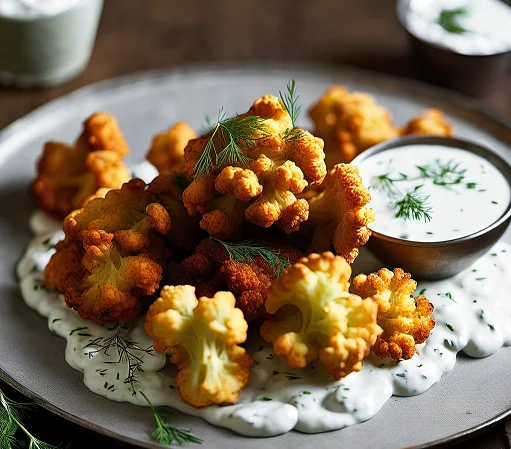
<point x="461" y="44"/>
<point x="440" y="202"/>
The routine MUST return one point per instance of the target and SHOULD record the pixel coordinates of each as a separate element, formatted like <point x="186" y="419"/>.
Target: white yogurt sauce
<point x="470" y="311"/>
<point x="488" y="23"/>
<point x="34" y="8"/>
<point x="456" y="210"/>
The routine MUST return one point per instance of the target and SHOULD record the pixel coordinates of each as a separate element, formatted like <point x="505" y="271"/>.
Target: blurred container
<point x="476" y="75"/>
<point x="48" y="50"/>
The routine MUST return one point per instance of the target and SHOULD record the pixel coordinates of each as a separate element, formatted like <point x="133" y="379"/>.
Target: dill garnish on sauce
<point x="448" y="20"/>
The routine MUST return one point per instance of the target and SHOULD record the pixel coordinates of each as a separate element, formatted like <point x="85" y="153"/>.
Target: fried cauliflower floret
<point x="314" y="316"/>
<point x="168" y="190"/>
<point x="406" y="321"/>
<point x="167" y="149"/>
<point x="431" y="121"/>
<point x="340" y="214"/>
<point x="262" y="190"/>
<point x="101" y="132"/>
<point x="350" y="123"/>
<point x="202" y="338"/>
<point x="112" y="255"/>
<point x="211" y="270"/>
<point x="68" y="176"/>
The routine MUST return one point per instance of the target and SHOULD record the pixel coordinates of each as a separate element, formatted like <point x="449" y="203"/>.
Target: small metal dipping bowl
<point x="476" y="75"/>
<point x="438" y="260"/>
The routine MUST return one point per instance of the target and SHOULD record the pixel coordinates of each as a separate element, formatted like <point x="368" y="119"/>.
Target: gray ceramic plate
<point x="474" y="394"/>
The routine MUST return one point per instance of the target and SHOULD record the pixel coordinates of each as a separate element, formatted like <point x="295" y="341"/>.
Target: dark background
<point x="138" y="35"/>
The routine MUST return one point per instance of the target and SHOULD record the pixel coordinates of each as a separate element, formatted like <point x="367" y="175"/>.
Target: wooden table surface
<point x="137" y="35"/>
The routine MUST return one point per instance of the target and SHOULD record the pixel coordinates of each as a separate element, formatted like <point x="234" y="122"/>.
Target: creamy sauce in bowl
<point x="433" y="193"/>
<point x="471" y="313"/>
<point x="471" y="27"/>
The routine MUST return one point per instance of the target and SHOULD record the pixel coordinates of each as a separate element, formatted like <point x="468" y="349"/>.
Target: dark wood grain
<point x="137" y="35"/>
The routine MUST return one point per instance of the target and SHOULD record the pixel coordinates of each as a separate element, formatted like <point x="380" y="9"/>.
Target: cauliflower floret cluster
<point x="202" y="338"/>
<point x="211" y="269"/>
<point x="406" y="321"/>
<point x="316" y="317"/>
<point x="112" y="255"/>
<point x="186" y="232"/>
<point x="431" y="121"/>
<point x="350" y="123"/>
<point x="167" y="149"/>
<point x="69" y="176"/>
<point x="261" y="187"/>
<point x="339" y="214"/>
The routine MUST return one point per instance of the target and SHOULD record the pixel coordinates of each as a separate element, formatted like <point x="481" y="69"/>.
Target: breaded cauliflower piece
<point x="431" y="121"/>
<point x="316" y="317"/>
<point x="168" y="148"/>
<point x="69" y="176"/>
<point x="340" y="214"/>
<point x="406" y="321"/>
<point x="101" y="132"/>
<point x="350" y="123"/>
<point x="202" y="338"/>
<point x="263" y="190"/>
<point x="211" y="270"/>
<point x="168" y="190"/>
<point x="112" y="255"/>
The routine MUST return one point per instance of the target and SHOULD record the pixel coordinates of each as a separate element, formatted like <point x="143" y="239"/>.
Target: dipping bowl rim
<point x="401" y="8"/>
<point x="453" y="142"/>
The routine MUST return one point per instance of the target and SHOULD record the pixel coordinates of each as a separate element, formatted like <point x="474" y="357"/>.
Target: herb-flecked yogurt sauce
<point x="471" y="315"/>
<point x="479" y="27"/>
<point x="459" y="192"/>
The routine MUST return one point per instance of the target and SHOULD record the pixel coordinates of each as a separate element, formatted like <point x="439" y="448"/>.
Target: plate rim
<point x="122" y="81"/>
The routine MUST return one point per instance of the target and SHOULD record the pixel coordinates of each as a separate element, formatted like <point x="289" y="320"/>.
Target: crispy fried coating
<point x="211" y="270"/>
<point x="314" y="316"/>
<point x="349" y="123"/>
<point x="340" y="214"/>
<point x="202" y="338"/>
<point x="431" y="121"/>
<point x="167" y="149"/>
<point x="406" y="321"/>
<point x="69" y="176"/>
<point x="112" y="255"/>
<point x="168" y="190"/>
<point x="262" y="191"/>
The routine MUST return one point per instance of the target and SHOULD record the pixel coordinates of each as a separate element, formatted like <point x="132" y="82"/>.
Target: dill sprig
<point x="413" y="206"/>
<point x="448" y="20"/>
<point x="247" y="251"/>
<point x="290" y="101"/>
<point x="443" y="174"/>
<point x="166" y="433"/>
<point x="234" y="134"/>
<point x="11" y="414"/>
<point x="126" y="352"/>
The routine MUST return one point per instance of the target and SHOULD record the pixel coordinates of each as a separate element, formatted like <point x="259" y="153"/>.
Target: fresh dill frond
<point x="247" y="251"/>
<point x="385" y="183"/>
<point x="234" y="134"/>
<point x="165" y="433"/>
<point x="127" y="351"/>
<point x="11" y="414"/>
<point x="290" y="101"/>
<point x="414" y="206"/>
<point x="448" y="20"/>
<point x="443" y="174"/>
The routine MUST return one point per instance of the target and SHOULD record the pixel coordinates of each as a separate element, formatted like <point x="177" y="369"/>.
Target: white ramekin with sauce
<point x="46" y="42"/>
